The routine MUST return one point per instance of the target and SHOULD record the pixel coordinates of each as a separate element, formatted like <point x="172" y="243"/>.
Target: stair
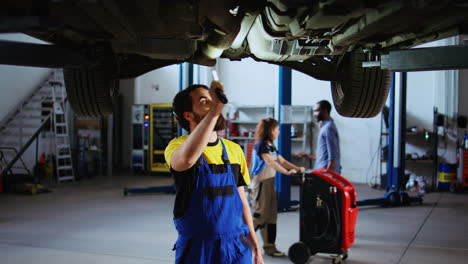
<point x="22" y="126"/>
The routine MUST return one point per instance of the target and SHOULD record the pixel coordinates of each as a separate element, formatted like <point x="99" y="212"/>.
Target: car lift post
<point x="395" y="195"/>
<point x="283" y="182"/>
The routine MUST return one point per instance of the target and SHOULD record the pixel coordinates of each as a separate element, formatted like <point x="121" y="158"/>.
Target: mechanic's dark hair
<point x="183" y="103"/>
<point x="325" y="105"/>
<point x="265" y="128"/>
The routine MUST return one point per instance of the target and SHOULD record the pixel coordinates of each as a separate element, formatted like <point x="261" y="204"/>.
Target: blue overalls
<point x="212" y="229"/>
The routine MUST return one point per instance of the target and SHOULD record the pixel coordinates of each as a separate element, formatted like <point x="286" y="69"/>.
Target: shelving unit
<point x="302" y="124"/>
<point x="242" y="127"/>
<point x="431" y="141"/>
<point x="88" y="135"/>
<point x="301" y="134"/>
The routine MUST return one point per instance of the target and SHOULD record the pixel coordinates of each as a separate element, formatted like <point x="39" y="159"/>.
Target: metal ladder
<point x="63" y="154"/>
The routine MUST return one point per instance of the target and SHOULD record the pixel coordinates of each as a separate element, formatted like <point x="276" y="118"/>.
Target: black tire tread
<point x="365" y="90"/>
<point x="89" y="91"/>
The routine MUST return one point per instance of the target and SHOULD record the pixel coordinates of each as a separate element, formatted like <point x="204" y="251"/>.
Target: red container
<point x="328" y="215"/>
<point x="349" y="210"/>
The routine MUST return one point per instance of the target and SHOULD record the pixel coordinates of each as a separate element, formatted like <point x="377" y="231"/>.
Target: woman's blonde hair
<point x="264" y="129"/>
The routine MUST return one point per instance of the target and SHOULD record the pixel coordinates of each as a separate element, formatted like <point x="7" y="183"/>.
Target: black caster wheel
<point x="340" y="258"/>
<point x="405" y="199"/>
<point x="299" y="253"/>
<point x="394" y="199"/>
<point x="337" y="260"/>
<point x="345" y="255"/>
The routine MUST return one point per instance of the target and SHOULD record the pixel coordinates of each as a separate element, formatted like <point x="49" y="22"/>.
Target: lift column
<point x="395" y="195"/>
<point x="397" y="138"/>
<point x="283" y="182"/>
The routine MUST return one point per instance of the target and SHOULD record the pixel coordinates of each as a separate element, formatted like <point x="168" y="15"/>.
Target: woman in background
<point x="265" y="163"/>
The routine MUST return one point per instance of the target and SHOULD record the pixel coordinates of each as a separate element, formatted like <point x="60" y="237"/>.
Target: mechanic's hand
<point x="301" y="169"/>
<point x="291" y="172"/>
<point x="217" y="105"/>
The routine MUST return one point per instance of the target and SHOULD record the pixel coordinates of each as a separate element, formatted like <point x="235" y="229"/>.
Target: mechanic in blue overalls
<point x="211" y="212"/>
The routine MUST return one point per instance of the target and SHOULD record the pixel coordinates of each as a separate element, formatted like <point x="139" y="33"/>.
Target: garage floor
<point x="92" y="222"/>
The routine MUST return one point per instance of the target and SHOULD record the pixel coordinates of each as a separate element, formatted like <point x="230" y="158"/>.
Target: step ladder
<point x="63" y="154"/>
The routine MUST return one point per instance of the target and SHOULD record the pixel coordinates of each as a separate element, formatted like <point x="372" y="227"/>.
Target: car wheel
<point x="90" y="91"/>
<point x="363" y="91"/>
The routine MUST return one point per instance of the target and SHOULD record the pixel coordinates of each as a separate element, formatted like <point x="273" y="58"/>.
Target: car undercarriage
<point x="327" y="39"/>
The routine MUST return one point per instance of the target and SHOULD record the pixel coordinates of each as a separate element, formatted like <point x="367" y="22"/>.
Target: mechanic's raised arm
<point x="188" y="153"/>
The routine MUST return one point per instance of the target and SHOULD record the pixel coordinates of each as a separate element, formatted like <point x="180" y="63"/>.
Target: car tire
<point x="363" y="91"/>
<point x="90" y="91"/>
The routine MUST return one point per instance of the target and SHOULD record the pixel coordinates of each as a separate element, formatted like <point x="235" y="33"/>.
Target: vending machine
<point x="140" y="138"/>
<point x="163" y="128"/>
<point x="153" y="127"/>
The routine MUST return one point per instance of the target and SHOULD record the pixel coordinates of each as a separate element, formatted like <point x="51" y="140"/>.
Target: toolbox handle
<point x="339" y="179"/>
<point x="334" y="175"/>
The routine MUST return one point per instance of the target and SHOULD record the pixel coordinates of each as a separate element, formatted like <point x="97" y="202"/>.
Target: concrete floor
<point x="92" y="222"/>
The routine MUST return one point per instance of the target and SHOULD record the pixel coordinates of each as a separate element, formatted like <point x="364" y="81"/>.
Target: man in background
<point x="328" y="144"/>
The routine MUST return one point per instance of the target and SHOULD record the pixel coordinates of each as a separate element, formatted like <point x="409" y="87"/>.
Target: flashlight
<point x="219" y="93"/>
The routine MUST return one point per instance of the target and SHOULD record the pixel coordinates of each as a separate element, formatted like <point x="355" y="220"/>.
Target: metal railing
<point x="19" y="153"/>
<point x="4" y="159"/>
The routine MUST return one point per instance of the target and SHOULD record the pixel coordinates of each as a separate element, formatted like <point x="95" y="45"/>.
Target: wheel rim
<point x="339" y="91"/>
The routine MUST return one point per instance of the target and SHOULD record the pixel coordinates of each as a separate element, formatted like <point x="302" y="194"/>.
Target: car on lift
<point x="98" y="42"/>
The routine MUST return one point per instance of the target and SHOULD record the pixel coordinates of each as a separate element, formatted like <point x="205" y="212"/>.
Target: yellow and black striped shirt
<point x="185" y="180"/>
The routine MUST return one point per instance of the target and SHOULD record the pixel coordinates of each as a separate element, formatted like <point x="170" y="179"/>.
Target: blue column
<point x="391" y="125"/>
<point x="401" y="168"/>
<point x="397" y="135"/>
<point x="283" y="183"/>
<point x="190" y="74"/>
